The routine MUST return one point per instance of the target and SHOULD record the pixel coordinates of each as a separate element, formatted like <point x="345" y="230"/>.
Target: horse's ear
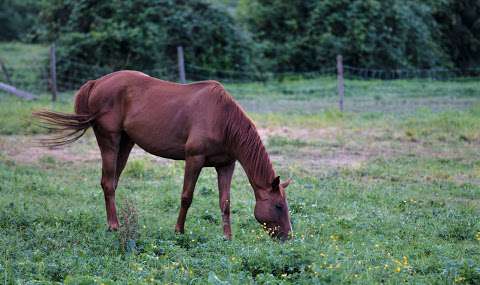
<point x="276" y="183"/>
<point x="286" y="183"/>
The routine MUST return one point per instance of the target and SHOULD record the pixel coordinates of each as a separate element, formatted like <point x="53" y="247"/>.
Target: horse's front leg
<point x="225" y="174"/>
<point x="193" y="166"/>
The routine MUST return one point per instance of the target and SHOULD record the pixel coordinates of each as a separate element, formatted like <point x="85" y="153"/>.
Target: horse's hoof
<point x="112" y="228"/>
<point x="179" y="231"/>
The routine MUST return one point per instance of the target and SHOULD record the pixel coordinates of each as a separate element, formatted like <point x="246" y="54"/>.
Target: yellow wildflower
<point x="334" y="237"/>
<point x="405" y="261"/>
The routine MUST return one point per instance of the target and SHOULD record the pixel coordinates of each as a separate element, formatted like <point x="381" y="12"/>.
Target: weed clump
<point x="128" y="231"/>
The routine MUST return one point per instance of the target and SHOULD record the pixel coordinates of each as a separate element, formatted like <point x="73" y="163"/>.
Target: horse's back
<point x="139" y="88"/>
<point x="162" y="117"/>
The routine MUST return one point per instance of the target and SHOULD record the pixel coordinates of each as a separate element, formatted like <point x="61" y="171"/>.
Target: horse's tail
<point x="70" y="127"/>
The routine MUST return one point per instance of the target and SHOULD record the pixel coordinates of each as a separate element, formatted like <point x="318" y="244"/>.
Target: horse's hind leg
<point x="126" y="145"/>
<point x="109" y="144"/>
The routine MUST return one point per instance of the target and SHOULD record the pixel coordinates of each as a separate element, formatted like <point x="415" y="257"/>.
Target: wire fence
<point x="79" y="72"/>
<point x="33" y="77"/>
<point x="404" y="74"/>
<point x="309" y="91"/>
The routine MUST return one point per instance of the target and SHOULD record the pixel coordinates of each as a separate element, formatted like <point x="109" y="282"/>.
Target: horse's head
<point x="272" y="210"/>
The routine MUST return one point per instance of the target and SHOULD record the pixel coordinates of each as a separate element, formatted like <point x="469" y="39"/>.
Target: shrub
<point x="306" y="35"/>
<point x="143" y="35"/>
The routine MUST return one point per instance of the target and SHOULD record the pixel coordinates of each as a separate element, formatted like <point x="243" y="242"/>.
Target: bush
<point x="306" y="35"/>
<point x="459" y="23"/>
<point x="143" y="35"/>
<point x="19" y="20"/>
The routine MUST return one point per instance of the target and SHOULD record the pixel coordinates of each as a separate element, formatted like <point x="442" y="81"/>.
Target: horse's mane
<point x="242" y="136"/>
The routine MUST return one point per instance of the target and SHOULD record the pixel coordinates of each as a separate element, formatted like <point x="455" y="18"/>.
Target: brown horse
<point x="198" y="122"/>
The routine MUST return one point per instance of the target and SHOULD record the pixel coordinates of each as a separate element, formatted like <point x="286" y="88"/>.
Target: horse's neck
<point x="243" y="139"/>
<point x="255" y="161"/>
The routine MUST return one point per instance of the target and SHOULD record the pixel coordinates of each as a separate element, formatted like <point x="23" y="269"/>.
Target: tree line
<point x="251" y="35"/>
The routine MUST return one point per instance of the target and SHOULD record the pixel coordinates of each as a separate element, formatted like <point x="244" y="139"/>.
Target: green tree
<point x="144" y="35"/>
<point x="19" y="20"/>
<point x="459" y="23"/>
<point x="307" y="35"/>
<point x="281" y="30"/>
<point x="384" y="33"/>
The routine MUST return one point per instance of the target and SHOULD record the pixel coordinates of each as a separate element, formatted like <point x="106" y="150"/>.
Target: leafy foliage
<point x="459" y="23"/>
<point x="145" y="35"/>
<point x="18" y="20"/>
<point x="265" y="36"/>
<point x="307" y="35"/>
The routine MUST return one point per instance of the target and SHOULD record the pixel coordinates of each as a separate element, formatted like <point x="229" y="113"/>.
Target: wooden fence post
<point x="5" y="72"/>
<point x="181" y="65"/>
<point x="53" y="72"/>
<point x="341" y="86"/>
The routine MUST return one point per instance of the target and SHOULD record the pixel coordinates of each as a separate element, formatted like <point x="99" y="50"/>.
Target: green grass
<point x="381" y="222"/>
<point x="15" y="114"/>
<point x="406" y="211"/>
<point x="20" y="55"/>
<point x="405" y="218"/>
<point x="451" y="125"/>
<point x="27" y="65"/>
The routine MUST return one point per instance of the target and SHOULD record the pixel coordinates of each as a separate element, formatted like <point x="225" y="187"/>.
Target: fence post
<point x="5" y="72"/>
<point x="181" y="64"/>
<point x="341" y="87"/>
<point x="53" y="72"/>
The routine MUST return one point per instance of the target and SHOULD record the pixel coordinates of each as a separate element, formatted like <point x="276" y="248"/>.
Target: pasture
<point x="386" y="192"/>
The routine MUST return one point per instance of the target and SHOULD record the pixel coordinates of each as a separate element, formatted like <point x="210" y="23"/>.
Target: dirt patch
<point x="305" y="134"/>
<point x="25" y="150"/>
<point x="330" y="149"/>
<point x="326" y="148"/>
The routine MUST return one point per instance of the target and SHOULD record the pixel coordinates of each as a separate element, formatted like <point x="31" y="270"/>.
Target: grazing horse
<point x="198" y="122"/>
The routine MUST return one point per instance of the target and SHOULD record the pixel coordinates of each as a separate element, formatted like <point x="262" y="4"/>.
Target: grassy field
<point x="26" y="64"/>
<point x="384" y="194"/>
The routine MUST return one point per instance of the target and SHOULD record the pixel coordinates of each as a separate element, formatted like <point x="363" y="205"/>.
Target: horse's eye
<point x="278" y="207"/>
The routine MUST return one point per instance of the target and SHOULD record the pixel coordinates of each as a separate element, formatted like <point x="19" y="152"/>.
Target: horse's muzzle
<point x="281" y="235"/>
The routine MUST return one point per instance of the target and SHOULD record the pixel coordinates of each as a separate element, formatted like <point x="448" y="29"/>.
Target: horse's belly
<point x="159" y="136"/>
<point x="157" y="142"/>
<point x="176" y="152"/>
<point x="220" y="159"/>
